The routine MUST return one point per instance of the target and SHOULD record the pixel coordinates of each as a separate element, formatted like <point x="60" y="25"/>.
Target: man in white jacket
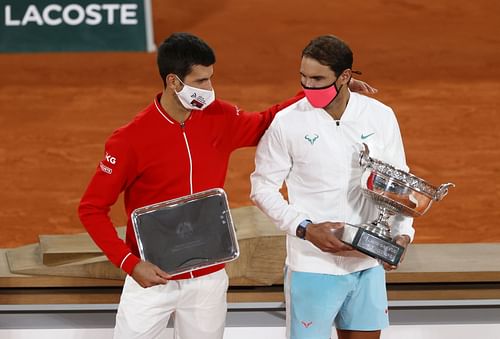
<point x="313" y="146"/>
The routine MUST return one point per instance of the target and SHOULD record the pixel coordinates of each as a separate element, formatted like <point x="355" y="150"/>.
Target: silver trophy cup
<point x="395" y="192"/>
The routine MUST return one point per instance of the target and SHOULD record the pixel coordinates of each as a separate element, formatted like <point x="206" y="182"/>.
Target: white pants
<point x="198" y="305"/>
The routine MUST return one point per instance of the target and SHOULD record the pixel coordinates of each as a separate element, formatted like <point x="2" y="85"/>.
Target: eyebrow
<point x="315" y="77"/>
<point x="204" y="78"/>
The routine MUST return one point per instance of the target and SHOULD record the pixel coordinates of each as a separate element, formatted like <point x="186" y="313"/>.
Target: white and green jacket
<point x="317" y="157"/>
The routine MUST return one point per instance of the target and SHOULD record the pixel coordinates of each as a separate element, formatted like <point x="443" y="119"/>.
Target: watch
<point x="300" y="232"/>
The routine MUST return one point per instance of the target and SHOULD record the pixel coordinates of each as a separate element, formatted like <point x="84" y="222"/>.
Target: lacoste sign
<point x="74" y="14"/>
<point x="54" y="25"/>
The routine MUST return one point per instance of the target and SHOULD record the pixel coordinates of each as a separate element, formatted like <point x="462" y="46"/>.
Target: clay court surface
<point x="436" y="63"/>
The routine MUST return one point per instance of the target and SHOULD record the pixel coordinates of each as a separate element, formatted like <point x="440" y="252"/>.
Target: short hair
<point x="180" y="52"/>
<point x="330" y="51"/>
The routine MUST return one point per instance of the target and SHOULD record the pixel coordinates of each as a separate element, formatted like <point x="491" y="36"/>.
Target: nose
<point x="209" y="85"/>
<point x="308" y="82"/>
<point x="205" y="84"/>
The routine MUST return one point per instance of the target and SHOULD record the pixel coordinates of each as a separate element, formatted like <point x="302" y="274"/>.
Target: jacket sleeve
<point x="246" y="128"/>
<point x="394" y="151"/>
<point x="114" y="172"/>
<point x="273" y="163"/>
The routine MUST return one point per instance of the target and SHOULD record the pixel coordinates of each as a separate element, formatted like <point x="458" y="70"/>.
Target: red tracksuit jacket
<point x="154" y="158"/>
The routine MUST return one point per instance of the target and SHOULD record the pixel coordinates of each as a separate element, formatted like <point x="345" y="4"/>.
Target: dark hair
<point x="330" y="51"/>
<point x="180" y="52"/>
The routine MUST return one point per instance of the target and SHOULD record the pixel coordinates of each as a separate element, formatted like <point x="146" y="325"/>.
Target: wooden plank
<point x="35" y="296"/>
<point x="249" y="221"/>
<point x="443" y="291"/>
<point x="27" y="260"/>
<point x="11" y="280"/>
<point x="262" y="257"/>
<point x="430" y="263"/>
<point x="449" y="263"/>
<point x="111" y="295"/>
<point x="262" y="250"/>
<point x="68" y="248"/>
<point x="47" y="281"/>
<point x="4" y="266"/>
<point x="25" y="296"/>
<point x="262" y="253"/>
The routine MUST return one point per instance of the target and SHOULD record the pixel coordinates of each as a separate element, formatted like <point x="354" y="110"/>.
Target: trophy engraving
<point x="395" y="192"/>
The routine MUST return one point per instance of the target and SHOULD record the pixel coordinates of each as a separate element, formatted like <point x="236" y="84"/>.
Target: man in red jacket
<point x="178" y="145"/>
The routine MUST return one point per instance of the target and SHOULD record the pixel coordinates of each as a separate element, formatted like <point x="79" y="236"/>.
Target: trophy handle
<point x="364" y="157"/>
<point x="442" y="191"/>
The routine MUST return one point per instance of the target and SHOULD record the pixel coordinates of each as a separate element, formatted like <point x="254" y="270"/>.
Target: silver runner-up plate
<point x="186" y="233"/>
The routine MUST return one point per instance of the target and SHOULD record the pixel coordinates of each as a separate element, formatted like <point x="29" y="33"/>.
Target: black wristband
<point x="301" y="230"/>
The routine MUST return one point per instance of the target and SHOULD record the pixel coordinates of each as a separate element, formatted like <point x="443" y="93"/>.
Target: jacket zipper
<point x="190" y="159"/>
<point x="157" y="105"/>
<point x="345" y="169"/>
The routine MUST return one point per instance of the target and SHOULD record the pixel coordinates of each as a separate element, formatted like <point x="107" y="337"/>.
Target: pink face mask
<point x="322" y="96"/>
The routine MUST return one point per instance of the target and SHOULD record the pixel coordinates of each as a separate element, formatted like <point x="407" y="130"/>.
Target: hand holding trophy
<point x="395" y="192"/>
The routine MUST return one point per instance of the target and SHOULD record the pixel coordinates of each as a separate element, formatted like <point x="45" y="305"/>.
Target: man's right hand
<point x="146" y="274"/>
<point x="361" y="87"/>
<point x="323" y="237"/>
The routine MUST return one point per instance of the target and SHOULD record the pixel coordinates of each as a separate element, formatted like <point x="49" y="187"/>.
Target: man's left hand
<point x="402" y="240"/>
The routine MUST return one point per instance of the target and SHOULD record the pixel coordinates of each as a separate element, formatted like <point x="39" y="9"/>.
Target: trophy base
<point x="372" y="244"/>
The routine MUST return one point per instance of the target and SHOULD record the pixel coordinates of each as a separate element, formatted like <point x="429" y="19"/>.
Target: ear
<point x="171" y="81"/>
<point x="346" y="76"/>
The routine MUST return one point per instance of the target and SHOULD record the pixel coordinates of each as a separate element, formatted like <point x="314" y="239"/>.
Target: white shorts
<point x="198" y="305"/>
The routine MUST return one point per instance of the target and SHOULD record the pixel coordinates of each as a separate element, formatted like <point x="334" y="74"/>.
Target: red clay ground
<point x="437" y="64"/>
